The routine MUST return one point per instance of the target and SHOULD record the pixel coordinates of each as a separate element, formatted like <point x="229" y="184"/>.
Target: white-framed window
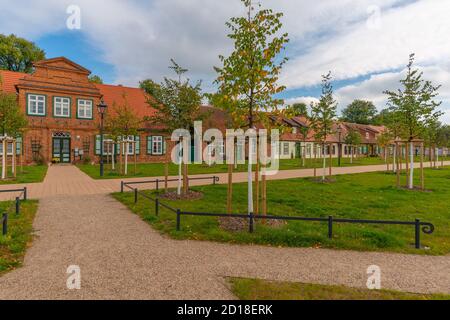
<point x="84" y="109"/>
<point x="36" y="105"/>
<point x="294" y="130"/>
<point x="61" y="107"/>
<point x="157" y="145"/>
<point x="131" y="145"/>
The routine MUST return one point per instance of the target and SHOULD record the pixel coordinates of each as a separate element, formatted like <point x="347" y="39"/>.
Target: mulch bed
<point x="190" y="195"/>
<point x="240" y="224"/>
<point x="327" y="180"/>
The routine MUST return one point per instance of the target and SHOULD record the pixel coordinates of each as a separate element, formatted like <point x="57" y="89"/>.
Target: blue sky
<point x="365" y="43"/>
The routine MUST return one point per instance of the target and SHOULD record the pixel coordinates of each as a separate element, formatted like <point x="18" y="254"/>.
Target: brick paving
<point x="122" y="257"/>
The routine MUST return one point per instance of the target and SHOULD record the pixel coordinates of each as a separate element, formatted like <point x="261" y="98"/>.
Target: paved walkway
<point x="69" y="180"/>
<point x="122" y="257"/>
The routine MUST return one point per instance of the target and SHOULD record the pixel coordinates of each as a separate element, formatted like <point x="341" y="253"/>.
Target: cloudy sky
<point x="365" y="43"/>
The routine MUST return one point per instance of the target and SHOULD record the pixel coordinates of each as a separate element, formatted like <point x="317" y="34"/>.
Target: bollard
<point x="157" y="184"/>
<point x="157" y="207"/>
<point x="17" y="205"/>
<point x="135" y="195"/>
<point x="25" y="193"/>
<point x="330" y="227"/>
<point x="178" y="220"/>
<point x="417" y="234"/>
<point x="5" y="224"/>
<point x="250" y="224"/>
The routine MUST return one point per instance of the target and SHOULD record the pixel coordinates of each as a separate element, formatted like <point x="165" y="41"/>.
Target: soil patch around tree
<point x="190" y="195"/>
<point x="234" y="224"/>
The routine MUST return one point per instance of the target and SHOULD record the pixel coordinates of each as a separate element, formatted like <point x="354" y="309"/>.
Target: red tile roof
<point x="119" y="95"/>
<point x="9" y="79"/>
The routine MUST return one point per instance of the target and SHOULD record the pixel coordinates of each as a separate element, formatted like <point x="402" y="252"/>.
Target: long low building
<point x="63" y="123"/>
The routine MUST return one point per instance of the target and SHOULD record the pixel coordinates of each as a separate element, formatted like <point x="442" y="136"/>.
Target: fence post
<point x="214" y="180"/>
<point x="135" y="195"/>
<point x="330" y="227"/>
<point x="5" y="224"/>
<point x="121" y="186"/>
<point x="178" y="219"/>
<point x="157" y="184"/>
<point x="25" y="195"/>
<point x="250" y="224"/>
<point x="157" y="207"/>
<point x="17" y="205"/>
<point x="417" y="234"/>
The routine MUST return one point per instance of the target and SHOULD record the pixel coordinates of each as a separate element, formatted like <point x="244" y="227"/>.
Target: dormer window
<point x="294" y="130"/>
<point x="367" y="135"/>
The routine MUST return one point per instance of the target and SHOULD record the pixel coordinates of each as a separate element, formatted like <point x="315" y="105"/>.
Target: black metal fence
<point x="14" y="206"/>
<point x="419" y="226"/>
<point x="158" y="182"/>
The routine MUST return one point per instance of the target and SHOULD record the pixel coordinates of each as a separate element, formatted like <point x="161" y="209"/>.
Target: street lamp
<point x="339" y="131"/>
<point x="101" y="111"/>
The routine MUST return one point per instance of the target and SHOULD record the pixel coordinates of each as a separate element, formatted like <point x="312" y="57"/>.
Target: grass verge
<point x="20" y="233"/>
<point x="370" y="196"/>
<point x="27" y="174"/>
<point x="253" y="289"/>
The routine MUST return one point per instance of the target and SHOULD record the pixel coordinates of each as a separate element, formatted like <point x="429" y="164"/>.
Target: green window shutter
<point x="137" y="139"/>
<point x="164" y="146"/>
<point x="149" y="145"/>
<point x="19" y="146"/>
<point x="97" y="144"/>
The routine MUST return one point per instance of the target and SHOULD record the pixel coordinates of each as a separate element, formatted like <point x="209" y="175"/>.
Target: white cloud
<point x="373" y="88"/>
<point x="306" y="100"/>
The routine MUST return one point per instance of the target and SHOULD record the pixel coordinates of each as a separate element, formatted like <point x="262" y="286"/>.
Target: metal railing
<point x="158" y="182"/>
<point x="419" y="226"/>
<point x="15" y="205"/>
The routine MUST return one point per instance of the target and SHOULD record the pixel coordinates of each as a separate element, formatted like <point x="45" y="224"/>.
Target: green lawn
<point x="157" y="169"/>
<point x="252" y="289"/>
<point x="360" y="196"/>
<point x="15" y="243"/>
<point x="29" y="174"/>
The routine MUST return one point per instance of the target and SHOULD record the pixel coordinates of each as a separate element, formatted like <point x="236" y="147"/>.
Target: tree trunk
<point x="179" y="175"/>
<point x="315" y="160"/>
<point x="324" y="173"/>
<point x="411" y="173"/>
<point x="113" y="155"/>
<point x="166" y="176"/>
<point x="422" y="174"/>
<point x="4" y="160"/>
<point x="185" y="179"/>
<point x="264" y="195"/>
<point x="257" y="187"/>
<point x="13" y="164"/>
<point x="250" y="184"/>
<point x="397" y="150"/>
<point x="352" y="152"/>
<point x="394" y="162"/>
<point x="126" y="158"/>
<point x="331" y="162"/>
<point x="230" y="189"/>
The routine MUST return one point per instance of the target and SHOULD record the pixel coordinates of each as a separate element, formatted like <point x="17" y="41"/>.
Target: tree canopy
<point x="323" y="113"/>
<point x="300" y="109"/>
<point x="18" y="54"/>
<point x="177" y="102"/>
<point x="122" y="122"/>
<point x="413" y="105"/>
<point x="95" y="79"/>
<point x="248" y="79"/>
<point x="12" y="121"/>
<point x="360" y="111"/>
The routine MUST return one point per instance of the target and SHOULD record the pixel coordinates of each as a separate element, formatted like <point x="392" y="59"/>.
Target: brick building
<point x="61" y="106"/>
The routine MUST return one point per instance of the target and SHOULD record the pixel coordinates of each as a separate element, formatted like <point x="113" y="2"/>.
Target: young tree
<point x="18" y="54"/>
<point x="322" y="115"/>
<point x="415" y="107"/>
<point x="248" y="78"/>
<point x="12" y="121"/>
<point x="384" y="141"/>
<point x="120" y="125"/>
<point x="177" y="104"/>
<point x="352" y="139"/>
<point x="359" y="111"/>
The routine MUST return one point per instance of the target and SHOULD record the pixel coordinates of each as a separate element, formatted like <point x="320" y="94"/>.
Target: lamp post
<point x="101" y="111"/>
<point x="339" y="131"/>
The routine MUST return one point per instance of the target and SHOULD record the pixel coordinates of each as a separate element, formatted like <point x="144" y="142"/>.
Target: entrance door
<point x="61" y="150"/>
<point x="298" y="150"/>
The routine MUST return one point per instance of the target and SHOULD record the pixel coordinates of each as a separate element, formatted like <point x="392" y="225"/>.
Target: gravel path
<point x="122" y="257"/>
